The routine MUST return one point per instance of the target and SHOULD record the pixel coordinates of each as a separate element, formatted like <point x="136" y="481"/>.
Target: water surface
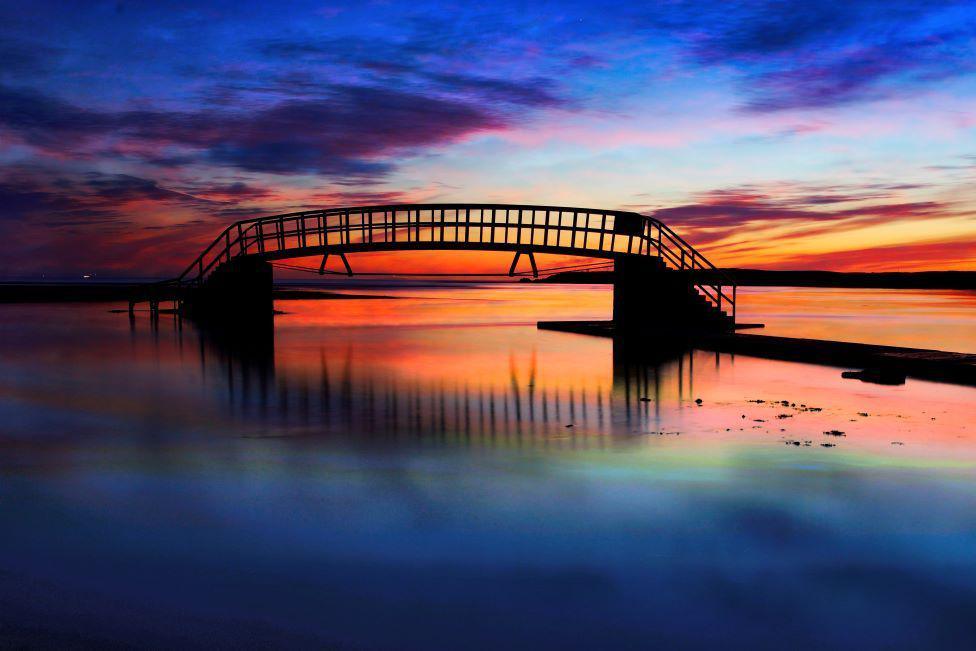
<point x="915" y="318"/>
<point x="434" y="472"/>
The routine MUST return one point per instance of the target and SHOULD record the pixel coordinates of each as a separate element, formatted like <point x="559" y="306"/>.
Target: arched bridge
<point x="658" y="274"/>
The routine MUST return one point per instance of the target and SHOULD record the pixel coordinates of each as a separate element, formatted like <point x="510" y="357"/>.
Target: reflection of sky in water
<point x="418" y="486"/>
<point x="936" y="319"/>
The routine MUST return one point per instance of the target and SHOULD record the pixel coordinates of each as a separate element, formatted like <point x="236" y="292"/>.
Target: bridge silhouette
<point x="658" y="276"/>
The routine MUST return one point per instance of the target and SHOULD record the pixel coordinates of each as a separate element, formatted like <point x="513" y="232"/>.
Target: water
<point x="934" y="319"/>
<point x="434" y="472"/>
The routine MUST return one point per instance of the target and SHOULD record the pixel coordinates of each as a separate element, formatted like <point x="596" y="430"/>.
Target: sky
<point x="782" y="135"/>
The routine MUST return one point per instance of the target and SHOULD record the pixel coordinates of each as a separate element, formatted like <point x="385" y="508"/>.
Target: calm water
<point x="935" y="319"/>
<point x="433" y="472"/>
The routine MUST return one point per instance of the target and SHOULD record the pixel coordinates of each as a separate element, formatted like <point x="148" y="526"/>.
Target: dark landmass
<point x="318" y="295"/>
<point x="113" y="292"/>
<point x="762" y="278"/>
<point x="67" y="292"/>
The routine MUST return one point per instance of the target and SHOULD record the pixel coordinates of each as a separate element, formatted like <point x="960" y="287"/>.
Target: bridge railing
<point x="554" y="229"/>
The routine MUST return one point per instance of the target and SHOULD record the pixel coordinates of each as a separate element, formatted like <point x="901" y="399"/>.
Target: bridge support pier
<point x="342" y="256"/>
<point x="647" y="297"/>
<point x="531" y="256"/>
<point x="237" y="292"/>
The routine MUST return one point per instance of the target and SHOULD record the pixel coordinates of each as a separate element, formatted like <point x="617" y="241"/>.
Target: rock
<point x="887" y="376"/>
<point x="835" y="432"/>
<point x="828" y="445"/>
<point x="698" y="401"/>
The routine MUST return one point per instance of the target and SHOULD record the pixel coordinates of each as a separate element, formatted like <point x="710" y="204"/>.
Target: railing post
<point x="734" y="301"/>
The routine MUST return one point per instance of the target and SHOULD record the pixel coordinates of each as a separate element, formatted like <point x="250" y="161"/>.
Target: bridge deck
<point x="584" y="232"/>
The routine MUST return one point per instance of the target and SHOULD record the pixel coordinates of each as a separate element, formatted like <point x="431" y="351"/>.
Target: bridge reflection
<point x="333" y="387"/>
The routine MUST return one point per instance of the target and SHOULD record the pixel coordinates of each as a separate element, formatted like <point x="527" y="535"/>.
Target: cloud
<point x="233" y="192"/>
<point x="349" y="132"/>
<point x="810" y="54"/>
<point x="748" y="221"/>
<point x="47" y="121"/>
<point x="56" y="222"/>
<point x="22" y="58"/>
<point x="417" y="64"/>
<point x="951" y="254"/>
<point x="531" y="92"/>
<point x="45" y="199"/>
<point x="760" y="28"/>
<point x="731" y="208"/>
<point x="856" y="74"/>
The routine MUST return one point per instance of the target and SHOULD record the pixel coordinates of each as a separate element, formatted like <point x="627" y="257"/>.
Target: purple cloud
<point x="347" y="133"/>
<point x="812" y="209"/>
<point x="821" y="53"/>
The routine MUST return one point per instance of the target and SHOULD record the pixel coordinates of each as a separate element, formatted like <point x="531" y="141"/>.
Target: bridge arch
<point x="632" y="240"/>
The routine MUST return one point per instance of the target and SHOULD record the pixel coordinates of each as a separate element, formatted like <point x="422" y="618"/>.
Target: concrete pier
<point x="919" y="363"/>
<point x="237" y="291"/>
<point x="648" y="297"/>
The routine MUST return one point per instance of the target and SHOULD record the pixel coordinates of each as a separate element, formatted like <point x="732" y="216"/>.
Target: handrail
<point x="633" y="234"/>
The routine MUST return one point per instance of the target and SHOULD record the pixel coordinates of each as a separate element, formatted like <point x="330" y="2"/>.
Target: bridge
<point x="660" y="281"/>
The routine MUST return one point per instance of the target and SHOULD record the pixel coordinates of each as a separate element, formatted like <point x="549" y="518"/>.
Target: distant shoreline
<point x="106" y="292"/>
<point x="826" y="279"/>
<point x="101" y="291"/>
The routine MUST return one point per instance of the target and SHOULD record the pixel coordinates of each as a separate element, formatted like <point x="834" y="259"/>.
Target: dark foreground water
<point x="434" y="472"/>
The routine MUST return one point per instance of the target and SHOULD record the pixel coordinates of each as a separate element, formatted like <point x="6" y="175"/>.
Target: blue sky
<point x="775" y="134"/>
